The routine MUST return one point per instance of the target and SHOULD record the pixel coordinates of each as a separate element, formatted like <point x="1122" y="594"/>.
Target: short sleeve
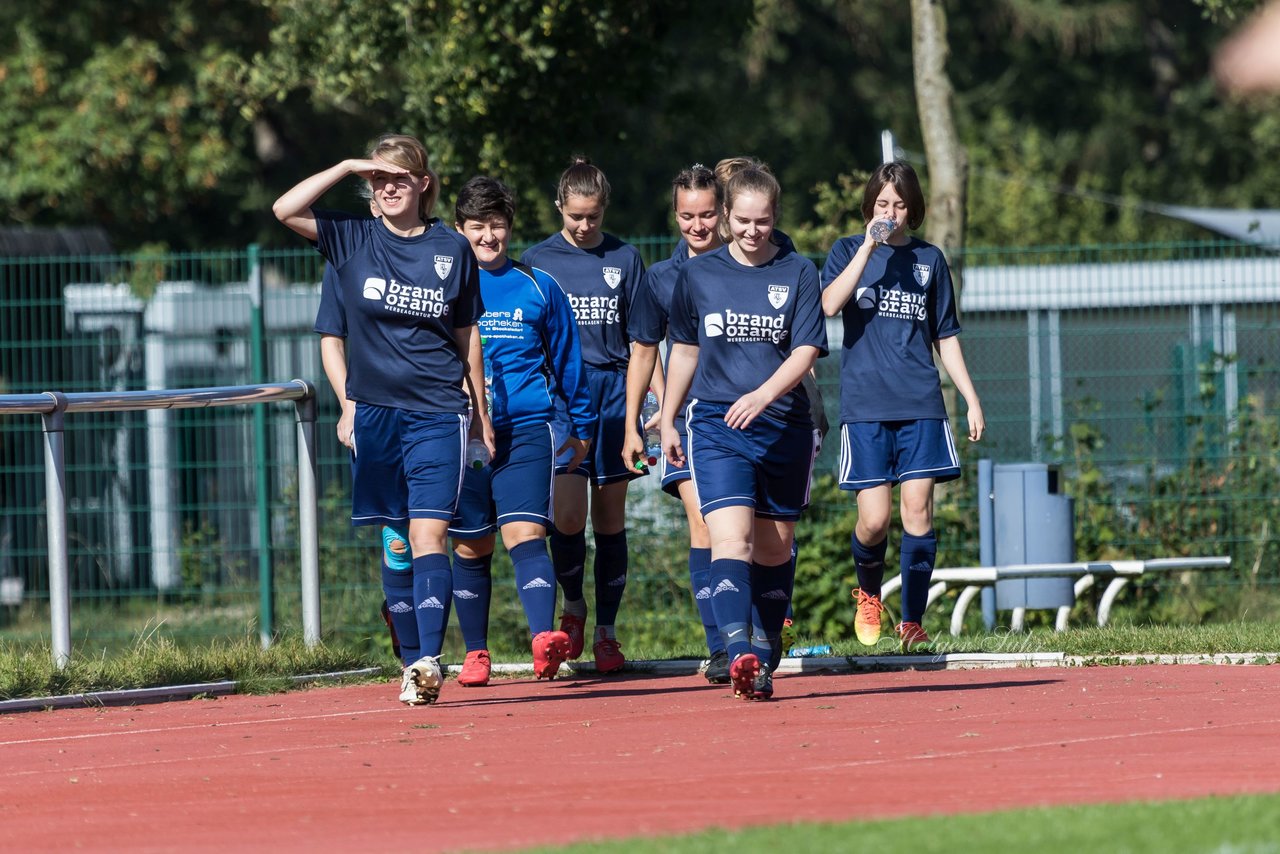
<point x="682" y="323"/>
<point x="331" y="318"/>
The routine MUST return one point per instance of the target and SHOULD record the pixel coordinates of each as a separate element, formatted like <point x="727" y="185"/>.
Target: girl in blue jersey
<point x="746" y="325"/>
<point x="600" y="274"/>
<point x="400" y="347"/>
<point x="897" y="304"/>
<point x="530" y="351"/>
<point x="696" y="200"/>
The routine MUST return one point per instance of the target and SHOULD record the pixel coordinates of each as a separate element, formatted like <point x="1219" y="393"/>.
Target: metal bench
<point x="1086" y="574"/>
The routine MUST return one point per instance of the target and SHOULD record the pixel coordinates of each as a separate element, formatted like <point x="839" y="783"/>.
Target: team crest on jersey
<point x="444" y="263"/>
<point x="778" y="295"/>
<point x="613" y="276"/>
<point x="922" y="274"/>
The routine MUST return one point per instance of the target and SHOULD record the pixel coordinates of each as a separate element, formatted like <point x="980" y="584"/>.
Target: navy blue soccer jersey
<point x="746" y="321"/>
<point x="648" y="321"/>
<point x="529" y="331"/>
<point x="397" y="300"/>
<point x="901" y="306"/>
<point x="601" y="284"/>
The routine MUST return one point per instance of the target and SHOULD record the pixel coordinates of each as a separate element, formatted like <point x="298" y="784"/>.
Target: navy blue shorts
<point x="673" y="476"/>
<point x="514" y="487"/>
<point x="405" y="465"/>
<point x="767" y="466"/>
<point x="603" y="463"/>
<point x="876" y="452"/>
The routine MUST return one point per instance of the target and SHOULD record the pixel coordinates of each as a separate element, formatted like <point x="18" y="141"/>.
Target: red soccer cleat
<point x="743" y="673"/>
<point x="475" y="669"/>
<point x="550" y="649"/>
<point x="609" y="657"/>
<point x="576" y="629"/>
<point x="914" y="637"/>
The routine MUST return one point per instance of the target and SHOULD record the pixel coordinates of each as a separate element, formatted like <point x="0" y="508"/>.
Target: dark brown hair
<point x="697" y="177"/>
<point x="904" y="181"/>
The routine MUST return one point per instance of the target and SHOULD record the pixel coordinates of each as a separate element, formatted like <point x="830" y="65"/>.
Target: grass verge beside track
<point x="1241" y="824"/>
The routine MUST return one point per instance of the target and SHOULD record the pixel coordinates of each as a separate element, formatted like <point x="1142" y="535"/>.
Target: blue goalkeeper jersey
<point x="531" y="350"/>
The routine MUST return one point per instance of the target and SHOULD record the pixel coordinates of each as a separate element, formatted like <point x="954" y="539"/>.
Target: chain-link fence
<point x="1148" y="372"/>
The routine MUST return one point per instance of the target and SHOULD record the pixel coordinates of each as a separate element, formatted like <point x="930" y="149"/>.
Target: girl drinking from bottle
<point x="893" y="292"/>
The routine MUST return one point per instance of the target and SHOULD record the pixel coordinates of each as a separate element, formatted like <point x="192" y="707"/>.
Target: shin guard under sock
<point x="700" y="584"/>
<point x="610" y="575"/>
<point x="472" y="593"/>
<point x="917" y="558"/>
<point x="535" y="582"/>
<point x="397" y="587"/>
<point x="568" y="556"/>
<point x="433" y="592"/>
<point x="770" y="598"/>
<point x="731" y="601"/>
<point x="868" y="562"/>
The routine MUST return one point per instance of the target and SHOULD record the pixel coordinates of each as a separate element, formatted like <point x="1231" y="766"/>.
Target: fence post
<point x="55" y="500"/>
<point x="262" y="471"/>
<point x="308" y="527"/>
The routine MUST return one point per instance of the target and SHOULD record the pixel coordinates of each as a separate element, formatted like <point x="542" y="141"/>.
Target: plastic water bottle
<point x="809" y="651"/>
<point x="881" y="229"/>
<point x="652" y="435"/>
<point x="477" y="454"/>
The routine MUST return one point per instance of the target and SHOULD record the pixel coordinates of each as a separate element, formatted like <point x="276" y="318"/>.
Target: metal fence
<point x="1149" y="372"/>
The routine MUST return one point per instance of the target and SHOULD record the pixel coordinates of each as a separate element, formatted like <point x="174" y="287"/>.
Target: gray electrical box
<point x="1033" y="524"/>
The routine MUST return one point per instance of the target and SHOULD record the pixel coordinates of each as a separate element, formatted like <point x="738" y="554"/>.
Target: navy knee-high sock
<point x="795" y="557"/>
<point x="397" y="586"/>
<point x="535" y="582"/>
<point x="472" y="593"/>
<point x="918" y="555"/>
<point x="868" y="562"/>
<point x="433" y="591"/>
<point x="731" y="601"/>
<point x="611" y="575"/>
<point x="770" y="597"/>
<point x="700" y="583"/>
<point x="568" y="556"/>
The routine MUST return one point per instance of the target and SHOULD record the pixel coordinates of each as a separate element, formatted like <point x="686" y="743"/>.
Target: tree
<point x="510" y="90"/>
<point x="108" y="117"/>
<point x="948" y="162"/>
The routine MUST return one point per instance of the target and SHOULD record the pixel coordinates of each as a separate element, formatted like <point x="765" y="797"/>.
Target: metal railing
<point x="1086" y="573"/>
<point x="53" y="406"/>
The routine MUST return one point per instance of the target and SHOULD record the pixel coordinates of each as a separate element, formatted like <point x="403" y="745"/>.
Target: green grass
<point x="29" y="671"/>
<point x="152" y="660"/>
<point x="1094" y="641"/>
<point x="1229" y="825"/>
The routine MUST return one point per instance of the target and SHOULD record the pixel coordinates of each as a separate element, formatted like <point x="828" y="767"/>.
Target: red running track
<point x="523" y="763"/>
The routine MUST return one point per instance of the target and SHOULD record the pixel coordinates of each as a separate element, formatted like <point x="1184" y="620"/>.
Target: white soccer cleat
<point x="421" y="682"/>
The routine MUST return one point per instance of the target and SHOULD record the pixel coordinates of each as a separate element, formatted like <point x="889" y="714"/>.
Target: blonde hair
<point x="746" y="175"/>
<point x="407" y="152"/>
<point x="731" y="166"/>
